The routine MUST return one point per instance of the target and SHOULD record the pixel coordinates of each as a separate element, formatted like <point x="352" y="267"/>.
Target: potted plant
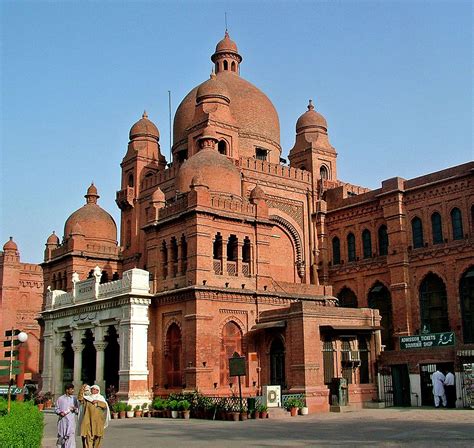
<point x="145" y="409"/>
<point x="262" y="411"/>
<point x="184" y="406"/>
<point x="121" y="409"/>
<point x="128" y="410"/>
<point x="48" y="400"/>
<point x="138" y="411"/>
<point x="115" y="410"/>
<point x="173" y="407"/>
<point x="303" y="408"/>
<point x="292" y="405"/>
<point x="39" y="400"/>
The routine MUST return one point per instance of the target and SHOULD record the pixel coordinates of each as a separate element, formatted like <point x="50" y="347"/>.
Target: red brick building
<point x="21" y="299"/>
<point x="247" y="254"/>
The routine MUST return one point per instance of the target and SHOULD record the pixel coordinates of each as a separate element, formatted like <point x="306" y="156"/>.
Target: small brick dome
<point x="311" y="119"/>
<point x="53" y="239"/>
<point x="226" y="45"/>
<point x="92" y="221"/>
<point x="212" y="88"/>
<point x="214" y="170"/>
<point x="10" y="245"/>
<point x="144" y="128"/>
<point x="257" y="194"/>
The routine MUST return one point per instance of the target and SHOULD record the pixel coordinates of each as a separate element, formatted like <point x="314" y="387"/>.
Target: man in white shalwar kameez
<point x="438" y="388"/>
<point x="67" y="407"/>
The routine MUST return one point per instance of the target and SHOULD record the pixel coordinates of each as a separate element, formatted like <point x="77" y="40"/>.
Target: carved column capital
<point x="59" y="350"/>
<point x="78" y="347"/>
<point x="100" y="346"/>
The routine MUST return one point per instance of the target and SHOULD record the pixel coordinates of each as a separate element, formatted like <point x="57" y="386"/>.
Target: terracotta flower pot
<point x="40" y="406"/>
<point x="122" y="414"/>
<point x="138" y="413"/>
<point x="264" y="414"/>
<point x="293" y="412"/>
<point x="115" y="415"/>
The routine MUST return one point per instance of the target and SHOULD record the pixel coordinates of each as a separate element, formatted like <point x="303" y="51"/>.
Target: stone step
<point x="278" y="413"/>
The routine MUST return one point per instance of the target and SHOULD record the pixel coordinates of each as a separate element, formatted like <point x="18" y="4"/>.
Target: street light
<point x="20" y="378"/>
<point x="22" y="336"/>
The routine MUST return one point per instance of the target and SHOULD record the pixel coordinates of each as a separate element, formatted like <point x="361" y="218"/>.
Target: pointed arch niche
<point x="231" y="341"/>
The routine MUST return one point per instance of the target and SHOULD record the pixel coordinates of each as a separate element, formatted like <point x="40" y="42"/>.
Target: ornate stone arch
<point x="423" y="273"/>
<point x="297" y="241"/>
<point x="236" y="320"/>
<point x="270" y="338"/>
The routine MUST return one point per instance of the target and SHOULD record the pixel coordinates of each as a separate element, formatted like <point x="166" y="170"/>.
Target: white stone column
<point x="58" y="371"/>
<point x="47" y="374"/>
<point x="99" y="365"/>
<point x="133" y="335"/>
<point x="77" y="346"/>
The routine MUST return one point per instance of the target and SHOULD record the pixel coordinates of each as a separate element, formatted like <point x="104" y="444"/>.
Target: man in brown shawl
<point x="94" y="416"/>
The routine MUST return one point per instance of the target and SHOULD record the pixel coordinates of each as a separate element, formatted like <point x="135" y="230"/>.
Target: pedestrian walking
<point x="67" y="407"/>
<point x="438" y="388"/>
<point x="450" y="389"/>
<point x="94" y="416"/>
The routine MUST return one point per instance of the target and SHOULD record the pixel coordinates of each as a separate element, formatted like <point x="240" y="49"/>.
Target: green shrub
<point x="172" y="405"/>
<point x="293" y="403"/>
<point x="128" y="407"/>
<point x="184" y="405"/>
<point x="122" y="406"/>
<point x="23" y="427"/>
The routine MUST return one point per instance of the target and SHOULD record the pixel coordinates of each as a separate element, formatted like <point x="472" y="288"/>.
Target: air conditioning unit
<point x="271" y="396"/>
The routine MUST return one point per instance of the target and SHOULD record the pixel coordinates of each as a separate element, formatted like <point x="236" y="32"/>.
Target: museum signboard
<point x="430" y="340"/>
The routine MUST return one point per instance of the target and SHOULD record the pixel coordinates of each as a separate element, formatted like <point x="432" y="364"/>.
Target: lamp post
<point x="20" y="378"/>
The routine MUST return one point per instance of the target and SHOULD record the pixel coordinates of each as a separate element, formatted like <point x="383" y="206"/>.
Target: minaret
<point x="142" y="160"/>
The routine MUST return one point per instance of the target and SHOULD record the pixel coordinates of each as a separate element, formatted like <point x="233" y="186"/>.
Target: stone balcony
<point x="134" y="281"/>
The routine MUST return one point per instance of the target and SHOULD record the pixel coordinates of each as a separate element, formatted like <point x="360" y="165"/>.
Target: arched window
<point x="217" y="254"/>
<point x="232" y="247"/>
<point x="234" y="66"/>
<point x="347" y="298"/>
<point x="379" y="298"/>
<point x="456" y="222"/>
<point x="364" y="354"/>
<point x="226" y="65"/>
<point x="104" y="278"/>
<point x="164" y="259"/>
<point x="367" y="244"/>
<point x="351" y="247"/>
<point x="417" y="232"/>
<point x="222" y="147"/>
<point x="336" y="250"/>
<point x="436" y="228"/>
<point x="246" y="248"/>
<point x="466" y="294"/>
<point x="383" y="240"/>
<point x="128" y="234"/>
<point x="323" y="172"/>
<point x="433" y="305"/>
<point x="231" y="343"/>
<point x="64" y="281"/>
<point x="216" y="67"/>
<point x="184" y="253"/>
<point x="173" y="350"/>
<point x="174" y="255"/>
<point x="131" y="181"/>
<point x="277" y="363"/>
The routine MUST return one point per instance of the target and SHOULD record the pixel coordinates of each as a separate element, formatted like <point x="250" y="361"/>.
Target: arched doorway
<point x="466" y="295"/>
<point x="277" y="363"/>
<point x="111" y="358"/>
<point x="379" y="298"/>
<point x="173" y="350"/>
<point x="88" y="358"/>
<point x="68" y="360"/>
<point x="433" y="305"/>
<point x="347" y="298"/>
<point x="231" y="342"/>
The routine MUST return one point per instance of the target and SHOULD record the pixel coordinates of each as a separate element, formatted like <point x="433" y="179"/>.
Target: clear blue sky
<point x="392" y="78"/>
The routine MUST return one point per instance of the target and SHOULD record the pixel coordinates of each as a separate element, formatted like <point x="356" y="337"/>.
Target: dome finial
<point x="310" y="105"/>
<point x="213" y="74"/>
<point x="91" y="195"/>
<point x="144" y="115"/>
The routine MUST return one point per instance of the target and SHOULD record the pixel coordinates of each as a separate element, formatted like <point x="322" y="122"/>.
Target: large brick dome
<point x="95" y="223"/>
<point x="253" y="112"/>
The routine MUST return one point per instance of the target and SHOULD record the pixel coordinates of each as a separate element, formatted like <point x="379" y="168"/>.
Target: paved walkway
<point x="393" y="427"/>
